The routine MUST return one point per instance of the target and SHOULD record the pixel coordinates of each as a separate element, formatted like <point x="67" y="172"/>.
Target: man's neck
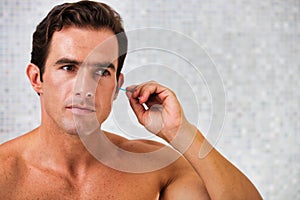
<point x="60" y="152"/>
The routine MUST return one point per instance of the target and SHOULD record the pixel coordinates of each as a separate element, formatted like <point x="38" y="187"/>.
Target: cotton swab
<point x="123" y="89"/>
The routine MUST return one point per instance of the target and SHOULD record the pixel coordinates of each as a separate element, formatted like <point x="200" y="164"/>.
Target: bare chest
<point x="94" y="186"/>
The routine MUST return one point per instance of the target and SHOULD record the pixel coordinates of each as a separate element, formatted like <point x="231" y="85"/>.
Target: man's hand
<point x="157" y="108"/>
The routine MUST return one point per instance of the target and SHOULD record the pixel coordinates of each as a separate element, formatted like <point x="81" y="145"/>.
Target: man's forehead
<point x="85" y="38"/>
<point x="85" y="44"/>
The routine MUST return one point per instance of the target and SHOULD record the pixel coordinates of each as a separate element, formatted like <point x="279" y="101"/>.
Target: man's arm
<point x="184" y="183"/>
<point x="222" y="180"/>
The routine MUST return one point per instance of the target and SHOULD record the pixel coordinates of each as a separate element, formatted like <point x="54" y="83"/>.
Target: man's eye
<point x="103" y="72"/>
<point x="68" y="68"/>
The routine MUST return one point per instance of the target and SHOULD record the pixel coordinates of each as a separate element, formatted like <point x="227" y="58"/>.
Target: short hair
<point x="82" y="14"/>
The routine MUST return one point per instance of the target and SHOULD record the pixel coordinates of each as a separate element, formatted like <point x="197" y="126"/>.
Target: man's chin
<point x="81" y="130"/>
<point x="81" y="126"/>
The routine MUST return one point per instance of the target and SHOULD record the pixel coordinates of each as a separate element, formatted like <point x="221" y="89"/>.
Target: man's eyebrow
<point x="67" y="61"/>
<point x="93" y="64"/>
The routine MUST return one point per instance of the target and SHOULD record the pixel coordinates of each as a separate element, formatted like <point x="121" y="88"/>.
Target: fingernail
<point x="128" y="94"/>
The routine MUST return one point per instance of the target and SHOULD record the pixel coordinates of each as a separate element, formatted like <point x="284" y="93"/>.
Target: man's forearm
<point x="222" y="179"/>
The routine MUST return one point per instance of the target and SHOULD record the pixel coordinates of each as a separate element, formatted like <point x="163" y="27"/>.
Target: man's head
<point x="78" y="52"/>
<point x="82" y="14"/>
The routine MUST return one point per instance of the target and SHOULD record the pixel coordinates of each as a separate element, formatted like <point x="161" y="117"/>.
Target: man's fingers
<point x="138" y="109"/>
<point x="146" y="91"/>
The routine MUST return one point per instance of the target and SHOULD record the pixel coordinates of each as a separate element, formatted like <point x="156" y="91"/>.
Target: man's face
<point x="79" y="81"/>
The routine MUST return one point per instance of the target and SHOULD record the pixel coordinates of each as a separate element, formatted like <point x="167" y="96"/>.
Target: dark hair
<point x="82" y="14"/>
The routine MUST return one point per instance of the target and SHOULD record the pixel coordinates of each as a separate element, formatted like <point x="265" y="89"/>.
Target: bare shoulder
<point x="180" y="180"/>
<point x="176" y="163"/>
<point x="9" y="153"/>
<point x="7" y="156"/>
<point x="8" y="167"/>
<point x="136" y="145"/>
<point x="11" y="161"/>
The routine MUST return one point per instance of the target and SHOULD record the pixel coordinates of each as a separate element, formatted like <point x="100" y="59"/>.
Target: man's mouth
<point x="81" y="110"/>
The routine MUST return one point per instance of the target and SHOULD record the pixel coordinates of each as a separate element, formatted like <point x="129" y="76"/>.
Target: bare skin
<point x="27" y="173"/>
<point x="51" y="162"/>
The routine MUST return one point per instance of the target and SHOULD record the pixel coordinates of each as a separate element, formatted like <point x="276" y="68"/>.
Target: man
<point x="77" y="88"/>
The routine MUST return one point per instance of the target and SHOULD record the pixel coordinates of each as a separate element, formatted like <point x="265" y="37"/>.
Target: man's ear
<point x="119" y="84"/>
<point x="33" y="74"/>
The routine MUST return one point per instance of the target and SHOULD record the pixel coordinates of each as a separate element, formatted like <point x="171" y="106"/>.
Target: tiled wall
<point x="254" y="45"/>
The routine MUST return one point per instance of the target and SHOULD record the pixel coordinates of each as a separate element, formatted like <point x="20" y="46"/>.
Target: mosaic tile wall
<point x="255" y="47"/>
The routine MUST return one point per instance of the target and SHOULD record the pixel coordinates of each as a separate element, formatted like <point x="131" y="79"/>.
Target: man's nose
<point x="85" y="84"/>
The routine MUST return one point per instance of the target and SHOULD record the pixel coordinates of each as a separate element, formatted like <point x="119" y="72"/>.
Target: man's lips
<point x="81" y="110"/>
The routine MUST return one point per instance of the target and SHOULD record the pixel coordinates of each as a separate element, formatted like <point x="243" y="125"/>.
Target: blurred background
<point x="254" y="45"/>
